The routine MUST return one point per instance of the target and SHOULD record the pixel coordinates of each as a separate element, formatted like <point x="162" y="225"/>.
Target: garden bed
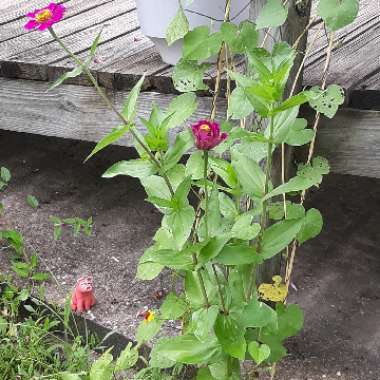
<point x="336" y="277"/>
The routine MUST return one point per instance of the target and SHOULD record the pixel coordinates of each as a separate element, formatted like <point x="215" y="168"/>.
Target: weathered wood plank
<point x="15" y="28"/>
<point x="84" y="14"/>
<point x="75" y="112"/>
<point x="355" y="59"/>
<point x="351" y="142"/>
<point x="12" y="9"/>
<point x="82" y="41"/>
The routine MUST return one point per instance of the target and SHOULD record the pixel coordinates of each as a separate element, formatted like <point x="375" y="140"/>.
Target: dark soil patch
<point x="337" y="275"/>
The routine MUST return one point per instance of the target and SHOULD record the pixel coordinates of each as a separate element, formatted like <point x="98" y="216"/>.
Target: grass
<point x="34" y="347"/>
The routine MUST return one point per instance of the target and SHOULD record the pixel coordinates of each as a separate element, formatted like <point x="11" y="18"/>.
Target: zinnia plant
<point x="44" y="18"/>
<point x="207" y="134"/>
<point x="242" y="217"/>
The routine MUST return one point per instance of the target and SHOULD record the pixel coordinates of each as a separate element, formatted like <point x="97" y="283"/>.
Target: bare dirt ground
<point x="337" y="274"/>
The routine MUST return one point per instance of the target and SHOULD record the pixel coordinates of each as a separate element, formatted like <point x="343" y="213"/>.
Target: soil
<point x="337" y="275"/>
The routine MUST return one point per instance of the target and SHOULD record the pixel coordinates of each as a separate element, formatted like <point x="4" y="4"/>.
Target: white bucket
<point x="156" y="15"/>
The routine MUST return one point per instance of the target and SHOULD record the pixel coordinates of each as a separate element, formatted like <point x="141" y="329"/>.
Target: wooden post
<point x="298" y="18"/>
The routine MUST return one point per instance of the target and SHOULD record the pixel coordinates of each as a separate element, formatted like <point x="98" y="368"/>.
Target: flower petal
<point x="44" y="26"/>
<point x="31" y="24"/>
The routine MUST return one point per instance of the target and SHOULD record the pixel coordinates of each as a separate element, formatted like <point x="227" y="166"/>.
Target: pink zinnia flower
<point x="44" y="18"/>
<point x="207" y="134"/>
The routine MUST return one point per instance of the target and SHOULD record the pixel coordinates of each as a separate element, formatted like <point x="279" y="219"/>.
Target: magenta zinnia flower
<point x="44" y="18"/>
<point x="207" y="134"/>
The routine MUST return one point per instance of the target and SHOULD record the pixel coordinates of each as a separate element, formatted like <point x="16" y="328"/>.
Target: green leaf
<point x="32" y="201"/>
<point x="258" y="314"/>
<point x="199" y="44"/>
<point x="213" y="214"/>
<point x="14" y="239"/>
<point x="294" y="101"/>
<point x="187" y="349"/>
<point x="148" y="271"/>
<point x="193" y="289"/>
<point x="173" y="259"/>
<point x="127" y="359"/>
<point x="311" y="227"/>
<point x="157" y="360"/>
<point x="259" y="352"/>
<point x="260" y="62"/>
<point x="178" y="27"/>
<point x="23" y="295"/>
<point x="203" y="322"/>
<point x="194" y="165"/>
<point x="129" y="108"/>
<point x="297" y="183"/>
<point x="181" y="108"/>
<point x="231" y="336"/>
<point x="57" y="232"/>
<point x="40" y="276"/>
<point x="188" y="76"/>
<point x="115" y="135"/>
<point x="258" y="96"/>
<point x="238" y="254"/>
<point x="243" y="229"/>
<point x="272" y="15"/>
<point x="338" y="13"/>
<point x="249" y="35"/>
<point x="173" y="307"/>
<point x="290" y="320"/>
<point x="230" y="34"/>
<point x="307" y="176"/>
<point x="277" y="350"/>
<point x="282" y="122"/>
<point x="5" y="174"/>
<point x="204" y="374"/>
<point x="102" y="368"/>
<point x="137" y="168"/>
<point x="212" y="248"/>
<point x="249" y="174"/>
<point x="278" y="236"/>
<point x="95" y="43"/>
<point x="328" y="101"/>
<point x="224" y="170"/>
<point x="298" y="134"/>
<point x="227" y="206"/>
<point x="180" y="223"/>
<point x="21" y="269"/>
<point x="70" y="74"/>
<point x="147" y="330"/>
<point x="183" y="142"/>
<point x="294" y="211"/>
<point x="156" y="186"/>
<point x="239" y="105"/>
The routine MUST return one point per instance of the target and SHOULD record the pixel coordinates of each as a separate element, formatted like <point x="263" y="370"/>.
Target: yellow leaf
<point x="275" y="292"/>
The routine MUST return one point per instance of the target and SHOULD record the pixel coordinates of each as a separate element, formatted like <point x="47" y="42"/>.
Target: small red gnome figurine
<point x="83" y="297"/>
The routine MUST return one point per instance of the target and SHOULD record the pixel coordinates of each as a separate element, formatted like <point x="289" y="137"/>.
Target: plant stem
<point x="108" y="102"/>
<point x="219" y="65"/>
<point x="205" y="170"/>
<point x="225" y="311"/>
<point x="263" y="221"/>
<point x="268" y="169"/>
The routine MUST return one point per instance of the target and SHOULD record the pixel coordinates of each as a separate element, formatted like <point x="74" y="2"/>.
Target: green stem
<point x="225" y="311"/>
<point x="107" y="101"/>
<point x="263" y="221"/>
<point x="206" y="190"/>
<point x="203" y="286"/>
